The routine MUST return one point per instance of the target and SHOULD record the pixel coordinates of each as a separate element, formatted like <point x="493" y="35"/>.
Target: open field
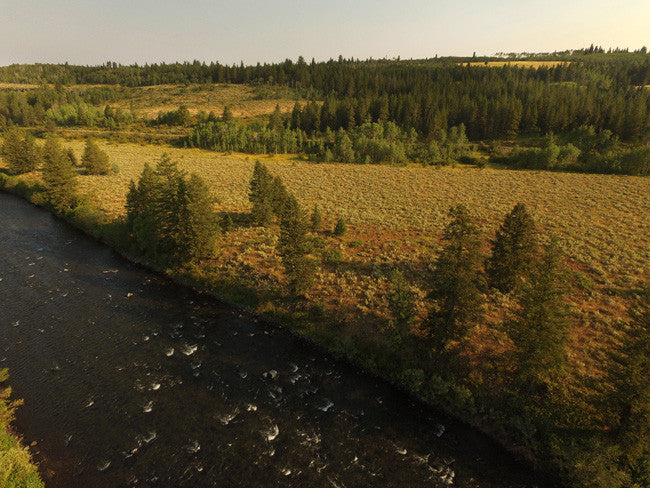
<point x="601" y="218"/>
<point x="243" y="100"/>
<point x="17" y="86"/>
<point x="521" y="64"/>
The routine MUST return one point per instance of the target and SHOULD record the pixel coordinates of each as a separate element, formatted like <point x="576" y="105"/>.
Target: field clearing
<point x="243" y="100"/>
<point x="521" y="64"/>
<point x="17" y="86"/>
<point x="602" y="219"/>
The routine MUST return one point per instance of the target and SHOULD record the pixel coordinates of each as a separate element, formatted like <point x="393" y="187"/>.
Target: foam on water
<point x="271" y="433"/>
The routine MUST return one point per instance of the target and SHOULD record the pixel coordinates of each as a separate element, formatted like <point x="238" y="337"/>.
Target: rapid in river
<point x="131" y="380"/>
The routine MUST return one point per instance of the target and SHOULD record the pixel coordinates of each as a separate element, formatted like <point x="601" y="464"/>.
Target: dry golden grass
<point x="602" y="219"/>
<point x="17" y="86"/>
<point x="522" y="64"/>
<point x="149" y="100"/>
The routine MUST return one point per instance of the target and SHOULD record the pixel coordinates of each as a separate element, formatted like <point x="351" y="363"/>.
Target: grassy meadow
<point x="243" y="100"/>
<point x="520" y="64"/>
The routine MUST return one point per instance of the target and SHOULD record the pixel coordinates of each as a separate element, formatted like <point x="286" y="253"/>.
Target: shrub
<point x="332" y="256"/>
<point x="340" y="228"/>
<point x="88" y="217"/>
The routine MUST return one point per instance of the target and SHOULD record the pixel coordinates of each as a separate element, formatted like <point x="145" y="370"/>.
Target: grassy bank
<point x="16" y="467"/>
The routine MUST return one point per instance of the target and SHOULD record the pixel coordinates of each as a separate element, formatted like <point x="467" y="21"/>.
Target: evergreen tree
<point x="344" y="152"/>
<point x="20" y="152"/>
<point x="141" y="212"/>
<point x="261" y="195"/>
<point x="341" y="227"/>
<point x="94" y="159"/>
<point x="199" y="223"/>
<point x="458" y="282"/>
<point x="400" y="304"/>
<point x="294" y="246"/>
<point x="168" y="206"/>
<point x="275" y="121"/>
<point x="58" y="176"/>
<point x="513" y="251"/>
<point x="296" y="114"/>
<point x="227" y="115"/>
<point x="540" y="329"/>
<point x="170" y="217"/>
<point x="315" y="218"/>
<point x="279" y="196"/>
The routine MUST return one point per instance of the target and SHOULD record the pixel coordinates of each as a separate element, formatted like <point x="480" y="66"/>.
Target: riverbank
<point x="102" y="343"/>
<point x="16" y="467"/>
<point x="311" y="325"/>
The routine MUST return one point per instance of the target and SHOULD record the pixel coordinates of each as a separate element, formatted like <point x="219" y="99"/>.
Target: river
<point x="130" y="380"/>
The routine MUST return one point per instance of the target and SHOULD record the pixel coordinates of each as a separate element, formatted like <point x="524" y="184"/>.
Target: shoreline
<point x="329" y="344"/>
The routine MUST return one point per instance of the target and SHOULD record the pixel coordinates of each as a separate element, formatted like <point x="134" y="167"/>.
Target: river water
<point x="130" y="380"/>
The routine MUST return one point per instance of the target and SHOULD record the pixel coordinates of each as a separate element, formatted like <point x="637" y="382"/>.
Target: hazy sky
<point x="92" y="32"/>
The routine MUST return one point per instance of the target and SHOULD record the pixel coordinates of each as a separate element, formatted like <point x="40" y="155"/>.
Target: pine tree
<point x="341" y="227"/>
<point x="275" y="122"/>
<point x="344" y="151"/>
<point x="199" y="223"/>
<point x="294" y="246"/>
<point x="227" y="115"/>
<point x="59" y="176"/>
<point x="513" y="251"/>
<point x="400" y="304"/>
<point x="168" y="206"/>
<point x="315" y="218"/>
<point x="296" y="114"/>
<point x="279" y="195"/>
<point x="20" y="152"/>
<point x="171" y="217"/>
<point x="261" y="195"/>
<point x="141" y="211"/>
<point x="94" y="159"/>
<point x="458" y="282"/>
<point x="540" y="329"/>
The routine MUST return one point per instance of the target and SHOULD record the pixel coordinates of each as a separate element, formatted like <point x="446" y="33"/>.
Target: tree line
<point x="583" y="149"/>
<point x="23" y="155"/>
<point x="426" y="95"/>
<point x="372" y="143"/>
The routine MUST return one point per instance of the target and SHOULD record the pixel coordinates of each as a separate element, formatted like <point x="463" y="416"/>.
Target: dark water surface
<point x="130" y="380"/>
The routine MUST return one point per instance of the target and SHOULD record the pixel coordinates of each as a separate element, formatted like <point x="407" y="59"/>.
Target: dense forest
<point x="426" y="100"/>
